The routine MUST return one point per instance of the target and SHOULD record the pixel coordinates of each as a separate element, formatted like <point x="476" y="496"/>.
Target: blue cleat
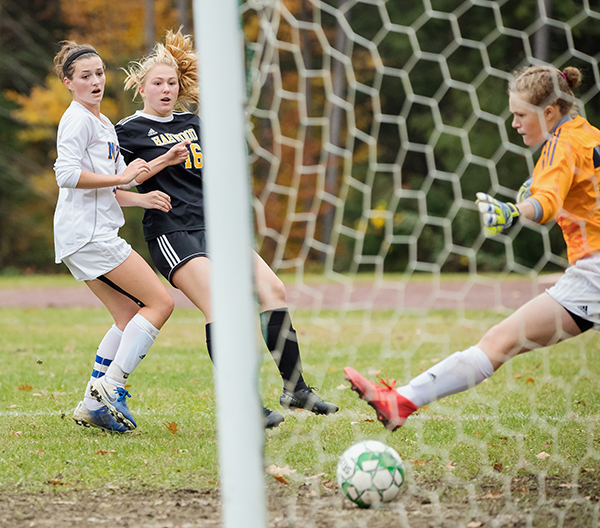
<point x="114" y="398"/>
<point x="100" y="418"/>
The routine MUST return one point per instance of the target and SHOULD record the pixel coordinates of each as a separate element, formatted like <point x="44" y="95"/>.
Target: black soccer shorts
<point x="172" y="250"/>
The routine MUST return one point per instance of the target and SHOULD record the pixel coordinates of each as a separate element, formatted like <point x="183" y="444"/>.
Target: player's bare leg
<point x="137" y="278"/>
<point x="121" y="308"/>
<point x="269" y="287"/>
<point x="540" y="322"/>
<point x="193" y="279"/>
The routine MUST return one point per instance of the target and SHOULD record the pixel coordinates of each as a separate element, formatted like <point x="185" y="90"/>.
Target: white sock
<point x="138" y="336"/>
<point x="105" y="354"/>
<point x="457" y="373"/>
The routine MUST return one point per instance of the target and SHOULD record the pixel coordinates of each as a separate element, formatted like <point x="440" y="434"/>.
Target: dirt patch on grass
<point x="528" y="502"/>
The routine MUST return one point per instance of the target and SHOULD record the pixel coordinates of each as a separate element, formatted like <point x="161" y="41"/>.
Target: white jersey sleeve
<point x="74" y="136"/>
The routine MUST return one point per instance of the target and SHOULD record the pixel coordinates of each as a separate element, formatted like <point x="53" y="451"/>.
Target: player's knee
<point x="125" y="314"/>
<point x="499" y="343"/>
<point x="169" y="305"/>
<point x="164" y="307"/>
<point x="278" y="290"/>
<point x="273" y="294"/>
<point x="122" y="321"/>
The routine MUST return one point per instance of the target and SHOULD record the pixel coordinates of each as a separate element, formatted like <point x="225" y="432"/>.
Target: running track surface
<point x="454" y="294"/>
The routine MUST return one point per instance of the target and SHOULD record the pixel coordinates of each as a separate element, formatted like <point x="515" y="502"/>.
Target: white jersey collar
<point x="166" y="119"/>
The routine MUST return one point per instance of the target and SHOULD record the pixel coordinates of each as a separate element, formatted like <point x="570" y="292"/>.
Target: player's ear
<point x="550" y="112"/>
<point x="67" y="83"/>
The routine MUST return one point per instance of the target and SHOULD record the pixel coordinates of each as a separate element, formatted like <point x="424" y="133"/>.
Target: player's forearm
<point x="156" y="165"/>
<point x="128" y="198"/>
<point x="527" y="210"/>
<point x="90" y="180"/>
<point x="176" y="154"/>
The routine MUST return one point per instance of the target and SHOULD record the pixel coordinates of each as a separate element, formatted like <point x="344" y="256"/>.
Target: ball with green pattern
<point x="369" y="473"/>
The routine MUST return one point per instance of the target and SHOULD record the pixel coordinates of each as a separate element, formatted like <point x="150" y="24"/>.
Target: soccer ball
<point x="369" y="473"/>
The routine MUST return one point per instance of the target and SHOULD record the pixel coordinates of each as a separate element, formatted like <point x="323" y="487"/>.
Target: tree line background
<point x="32" y="100"/>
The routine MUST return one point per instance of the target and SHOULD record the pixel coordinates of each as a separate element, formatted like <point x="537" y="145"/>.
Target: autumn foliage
<point x="370" y="125"/>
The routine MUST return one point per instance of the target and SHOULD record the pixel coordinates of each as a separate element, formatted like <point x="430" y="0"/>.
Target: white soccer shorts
<point x="578" y="290"/>
<point x="97" y="258"/>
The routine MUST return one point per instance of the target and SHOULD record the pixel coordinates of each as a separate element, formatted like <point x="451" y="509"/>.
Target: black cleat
<point x="308" y="400"/>
<point x="272" y="418"/>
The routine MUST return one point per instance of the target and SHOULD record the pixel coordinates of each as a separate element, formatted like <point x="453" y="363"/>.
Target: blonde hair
<point x="546" y="85"/>
<point x="68" y="49"/>
<point x="178" y="53"/>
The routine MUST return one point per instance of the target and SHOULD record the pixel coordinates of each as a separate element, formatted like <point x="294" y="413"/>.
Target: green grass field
<point x="540" y="414"/>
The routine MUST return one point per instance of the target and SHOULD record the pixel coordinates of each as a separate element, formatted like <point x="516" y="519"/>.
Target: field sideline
<point x="364" y="291"/>
<point x="523" y="449"/>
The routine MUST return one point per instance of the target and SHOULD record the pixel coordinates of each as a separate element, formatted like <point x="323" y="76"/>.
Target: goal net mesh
<point x="371" y="126"/>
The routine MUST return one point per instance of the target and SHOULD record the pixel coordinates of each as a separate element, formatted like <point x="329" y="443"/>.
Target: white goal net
<point x="372" y="124"/>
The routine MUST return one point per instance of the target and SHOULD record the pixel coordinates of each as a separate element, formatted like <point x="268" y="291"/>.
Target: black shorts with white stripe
<point x="172" y="250"/>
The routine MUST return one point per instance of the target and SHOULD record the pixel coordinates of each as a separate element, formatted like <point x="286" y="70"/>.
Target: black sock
<point x="208" y="341"/>
<point x="282" y="342"/>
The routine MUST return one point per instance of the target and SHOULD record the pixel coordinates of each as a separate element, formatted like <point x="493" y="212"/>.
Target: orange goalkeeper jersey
<point x="565" y="183"/>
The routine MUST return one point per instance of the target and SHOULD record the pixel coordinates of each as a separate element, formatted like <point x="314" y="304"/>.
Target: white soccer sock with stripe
<point x="457" y="373"/>
<point x="138" y="336"/>
<point x="105" y="354"/>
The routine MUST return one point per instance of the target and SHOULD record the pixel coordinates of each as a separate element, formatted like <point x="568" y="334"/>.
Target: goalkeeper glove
<point x="524" y="191"/>
<point x="497" y="216"/>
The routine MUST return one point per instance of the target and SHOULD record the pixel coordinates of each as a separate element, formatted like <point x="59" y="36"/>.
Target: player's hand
<point x="496" y="216"/>
<point x="135" y="168"/>
<point x="157" y="200"/>
<point x="524" y="191"/>
<point x="178" y="153"/>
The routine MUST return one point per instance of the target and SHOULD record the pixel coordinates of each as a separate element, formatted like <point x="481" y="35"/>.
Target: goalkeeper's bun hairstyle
<point x="546" y="85"/>
<point x="179" y="53"/>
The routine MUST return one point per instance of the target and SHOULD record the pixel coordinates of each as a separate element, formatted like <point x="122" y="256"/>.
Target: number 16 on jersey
<point x="196" y="157"/>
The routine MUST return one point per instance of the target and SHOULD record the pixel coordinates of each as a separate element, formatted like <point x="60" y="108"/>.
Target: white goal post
<point x="227" y="191"/>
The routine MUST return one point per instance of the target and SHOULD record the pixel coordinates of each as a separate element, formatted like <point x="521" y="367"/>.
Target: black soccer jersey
<point x="147" y="137"/>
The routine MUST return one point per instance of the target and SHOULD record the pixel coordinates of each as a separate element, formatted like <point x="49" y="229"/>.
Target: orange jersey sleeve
<point x="565" y="183"/>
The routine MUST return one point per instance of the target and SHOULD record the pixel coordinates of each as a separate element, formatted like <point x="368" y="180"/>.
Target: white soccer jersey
<point x="84" y="215"/>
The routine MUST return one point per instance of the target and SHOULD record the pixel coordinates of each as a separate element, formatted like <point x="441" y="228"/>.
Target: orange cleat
<point x="391" y="408"/>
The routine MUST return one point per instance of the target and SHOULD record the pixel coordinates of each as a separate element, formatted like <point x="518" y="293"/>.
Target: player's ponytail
<point x="177" y="52"/>
<point x="182" y="50"/>
<point x="573" y="76"/>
